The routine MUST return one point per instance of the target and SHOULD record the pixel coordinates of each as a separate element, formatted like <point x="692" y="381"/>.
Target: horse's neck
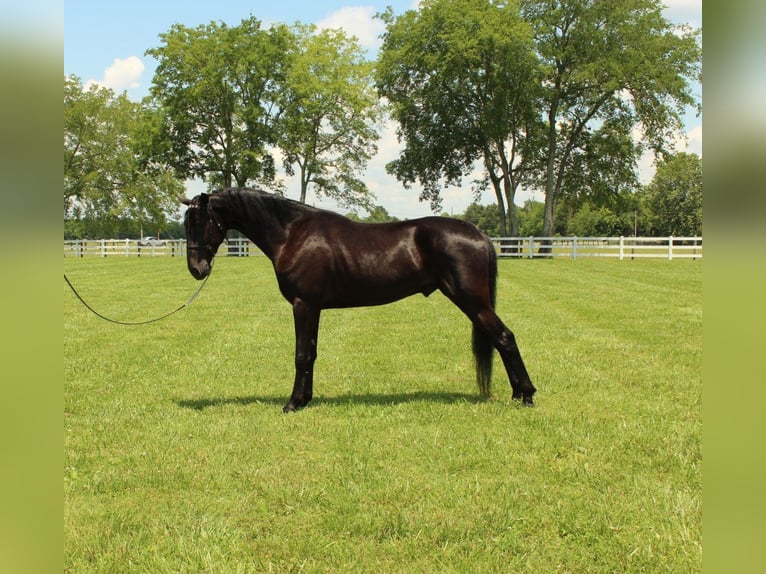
<point x="264" y="221"/>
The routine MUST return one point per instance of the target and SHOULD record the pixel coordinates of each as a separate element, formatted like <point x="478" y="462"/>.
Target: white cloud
<point x="121" y="75"/>
<point x="694" y="140"/>
<point x="356" y="21"/>
<point x="684" y="11"/>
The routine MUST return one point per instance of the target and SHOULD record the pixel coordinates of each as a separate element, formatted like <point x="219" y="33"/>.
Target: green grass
<point x="177" y="457"/>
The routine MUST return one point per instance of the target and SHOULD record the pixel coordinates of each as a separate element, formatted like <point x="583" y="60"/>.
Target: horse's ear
<point x="185" y="200"/>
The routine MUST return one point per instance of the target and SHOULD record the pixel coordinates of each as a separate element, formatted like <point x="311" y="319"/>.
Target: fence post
<point x="574" y="247"/>
<point x="531" y="247"/>
<point x="670" y="248"/>
<point x="622" y="246"/>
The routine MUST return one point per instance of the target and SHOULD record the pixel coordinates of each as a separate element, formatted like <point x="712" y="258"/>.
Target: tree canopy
<point x="107" y="173"/>
<point x="607" y="69"/>
<point x="234" y="95"/>
<point x="556" y="96"/>
<point x="219" y="87"/>
<point x="458" y="78"/>
<point x="462" y="76"/>
<point x="330" y="110"/>
<point x="673" y="199"/>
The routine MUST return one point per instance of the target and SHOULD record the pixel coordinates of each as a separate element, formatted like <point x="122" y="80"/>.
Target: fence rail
<point x="519" y="247"/>
<point x="123" y="247"/>
<point x="617" y="247"/>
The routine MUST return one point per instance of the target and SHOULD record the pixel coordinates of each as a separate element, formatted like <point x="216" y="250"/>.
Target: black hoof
<point x="526" y="400"/>
<point x="292" y="407"/>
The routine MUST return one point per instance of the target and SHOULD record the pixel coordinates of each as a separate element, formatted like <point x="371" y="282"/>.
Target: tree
<point x="219" y="89"/>
<point x="531" y="218"/>
<point x="106" y="177"/>
<point x="606" y="69"/>
<point x="329" y="115"/>
<point x="673" y="199"/>
<point x="485" y="217"/>
<point x="377" y="214"/>
<point x="594" y="221"/>
<point x="463" y="76"/>
<point x="458" y="77"/>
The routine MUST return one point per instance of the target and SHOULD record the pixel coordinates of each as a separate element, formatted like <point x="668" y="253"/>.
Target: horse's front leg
<point x="306" y="318"/>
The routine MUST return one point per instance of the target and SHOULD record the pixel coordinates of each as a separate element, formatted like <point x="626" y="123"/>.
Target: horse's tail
<point x="482" y="342"/>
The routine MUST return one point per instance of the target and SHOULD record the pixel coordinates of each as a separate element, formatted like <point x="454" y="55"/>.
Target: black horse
<point x="323" y="260"/>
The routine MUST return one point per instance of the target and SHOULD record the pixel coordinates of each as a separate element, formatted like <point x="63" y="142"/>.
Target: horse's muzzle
<point x="200" y="270"/>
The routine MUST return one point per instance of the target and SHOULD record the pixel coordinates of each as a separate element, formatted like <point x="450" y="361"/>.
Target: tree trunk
<point x="550" y="182"/>
<point x="510" y="196"/>
<point x="304" y="184"/>
<point x="500" y="204"/>
<point x="513" y="231"/>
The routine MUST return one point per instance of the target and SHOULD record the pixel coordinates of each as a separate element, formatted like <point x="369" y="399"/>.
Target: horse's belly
<point x="359" y="292"/>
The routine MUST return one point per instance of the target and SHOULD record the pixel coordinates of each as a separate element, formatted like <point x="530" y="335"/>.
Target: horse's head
<point x="204" y="234"/>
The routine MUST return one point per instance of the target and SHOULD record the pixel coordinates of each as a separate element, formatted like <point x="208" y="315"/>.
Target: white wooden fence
<point x="617" y="247"/>
<point x="133" y="248"/>
<point x="123" y="247"/>
<point x="519" y="247"/>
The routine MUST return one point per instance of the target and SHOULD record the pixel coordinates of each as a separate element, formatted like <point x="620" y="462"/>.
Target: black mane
<point x="248" y="200"/>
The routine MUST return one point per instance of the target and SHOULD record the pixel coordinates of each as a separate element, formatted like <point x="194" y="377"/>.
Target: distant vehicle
<point x="151" y="242"/>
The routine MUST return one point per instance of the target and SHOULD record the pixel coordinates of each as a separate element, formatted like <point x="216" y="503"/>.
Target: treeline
<point x="670" y="205"/>
<point x="121" y="228"/>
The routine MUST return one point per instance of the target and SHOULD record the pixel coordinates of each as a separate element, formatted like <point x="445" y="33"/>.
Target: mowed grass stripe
<point x="178" y="459"/>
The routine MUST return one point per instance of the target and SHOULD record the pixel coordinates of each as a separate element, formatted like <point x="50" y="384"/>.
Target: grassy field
<point x="177" y="457"/>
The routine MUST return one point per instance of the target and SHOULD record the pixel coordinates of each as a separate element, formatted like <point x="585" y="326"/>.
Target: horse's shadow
<point x="339" y="401"/>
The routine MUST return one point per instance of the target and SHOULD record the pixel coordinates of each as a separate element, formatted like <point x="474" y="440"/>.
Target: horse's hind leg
<point x="479" y="310"/>
<point x="505" y="343"/>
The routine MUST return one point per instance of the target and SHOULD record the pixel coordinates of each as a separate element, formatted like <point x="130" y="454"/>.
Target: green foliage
<point x="458" y="78"/>
<point x="123" y="228"/>
<point x="377" y="214"/>
<point x="219" y="88"/>
<point x="106" y="175"/>
<point x="232" y="95"/>
<point x="531" y="219"/>
<point x="673" y="200"/>
<point x="548" y="95"/>
<point x="485" y="217"/>
<point x="582" y="218"/>
<point x="177" y="457"/>
<point x="591" y="221"/>
<point x="329" y="112"/>
<point x="605" y="69"/>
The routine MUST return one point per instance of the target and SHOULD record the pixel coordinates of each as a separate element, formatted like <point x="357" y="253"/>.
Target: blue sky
<point x="105" y="42"/>
<point x="96" y="33"/>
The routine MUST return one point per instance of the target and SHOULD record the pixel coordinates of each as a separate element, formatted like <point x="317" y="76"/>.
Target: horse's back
<point x="452" y="239"/>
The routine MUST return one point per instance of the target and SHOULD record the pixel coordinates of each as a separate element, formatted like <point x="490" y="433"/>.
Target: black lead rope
<point x="105" y="318"/>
